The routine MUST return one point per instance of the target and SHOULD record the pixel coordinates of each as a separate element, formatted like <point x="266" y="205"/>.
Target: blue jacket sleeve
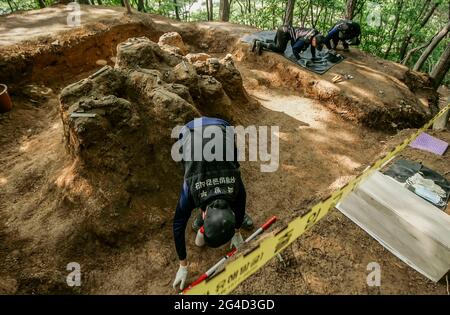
<point x="334" y="32"/>
<point x="182" y="214"/>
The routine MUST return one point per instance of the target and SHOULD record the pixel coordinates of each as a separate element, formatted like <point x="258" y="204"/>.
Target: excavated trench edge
<point x="57" y="63"/>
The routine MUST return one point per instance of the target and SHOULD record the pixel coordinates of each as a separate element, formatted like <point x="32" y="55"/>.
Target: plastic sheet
<point x="324" y="62"/>
<point x="401" y="170"/>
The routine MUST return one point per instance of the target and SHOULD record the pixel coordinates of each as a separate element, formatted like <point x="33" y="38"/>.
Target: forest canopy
<point x="413" y="32"/>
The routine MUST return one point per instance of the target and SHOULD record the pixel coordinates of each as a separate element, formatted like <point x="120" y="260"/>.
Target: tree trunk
<point x="317" y="17"/>
<point x="409" y="54"/>
<point x="10" y="6"/>
<point x="128" y="6"/>
<point x="177" y="9"/>
<point x="303" y="14"/>
<point x="350" y="9"/>
<point x="211" y="10"/>
<point x="99" y="2"/>
<point x="395" y="27"/>
<point x="441" y="67"/>
<point x="289" y="13"/>
<point x="407" y="39"/>
<point x="141" y="6"/>
<point x="41" y="3"/>
<point x="273" y="17"/>
<point x="358" y="8"/>
<point x="431" y="47"/>
<point x="224" y="10"/>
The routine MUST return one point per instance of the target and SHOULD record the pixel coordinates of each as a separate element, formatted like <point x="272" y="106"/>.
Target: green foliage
<point x="16" y="5"/>
<point x="322" y="14"/>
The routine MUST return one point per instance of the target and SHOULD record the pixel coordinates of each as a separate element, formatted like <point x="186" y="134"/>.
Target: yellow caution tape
<point x="249" y="262"/>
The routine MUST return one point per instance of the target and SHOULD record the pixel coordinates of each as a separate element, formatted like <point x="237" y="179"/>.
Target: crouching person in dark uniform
<point x="305" y="37"/>
<point x="301" y="38"/>
<point x="214" y="185"/>
<point x="346" y="31"/>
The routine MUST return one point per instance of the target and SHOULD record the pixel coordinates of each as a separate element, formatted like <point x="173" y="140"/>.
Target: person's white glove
<point x="181" y="277"/>
<point x="200" y="239"/>
<point x="237" y="240"/>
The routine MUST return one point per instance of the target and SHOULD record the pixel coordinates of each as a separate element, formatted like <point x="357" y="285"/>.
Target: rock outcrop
<point x="118" y="122"/>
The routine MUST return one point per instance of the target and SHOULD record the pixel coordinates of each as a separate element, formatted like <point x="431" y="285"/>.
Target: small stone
<point x="101" y="62"/>
<point x="228" y="58"/>
<point x="192" y="58"/>
<point x="55" y="43"/>
<point x="173" y="42"/>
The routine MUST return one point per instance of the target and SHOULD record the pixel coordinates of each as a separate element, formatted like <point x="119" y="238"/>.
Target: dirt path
<point x="320" y="151"/>
<point x="32" y="25"/>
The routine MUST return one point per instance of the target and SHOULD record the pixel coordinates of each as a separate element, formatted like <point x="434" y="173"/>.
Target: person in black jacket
<point x="212" y="185"/>
<point x="301" y="38"/>
<point x="346" y="31"/>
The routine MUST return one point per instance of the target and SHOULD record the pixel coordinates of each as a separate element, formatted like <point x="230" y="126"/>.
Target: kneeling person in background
<point x="301" y="39"/>
<point x="346" y="31"/>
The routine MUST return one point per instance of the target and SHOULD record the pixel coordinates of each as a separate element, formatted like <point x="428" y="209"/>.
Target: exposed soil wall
<point x="65" y="59"/>
<point x="383" y="95"/>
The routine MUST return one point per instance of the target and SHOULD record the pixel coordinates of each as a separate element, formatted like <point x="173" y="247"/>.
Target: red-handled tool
<point x="211" y="271"/>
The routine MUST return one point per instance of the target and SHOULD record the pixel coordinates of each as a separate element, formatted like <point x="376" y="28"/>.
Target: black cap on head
<point x="219" y="223"/>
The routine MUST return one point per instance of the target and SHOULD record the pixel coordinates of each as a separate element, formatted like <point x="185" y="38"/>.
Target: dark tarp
<point x="324" y="60"/>
<point x="401" y="170"/>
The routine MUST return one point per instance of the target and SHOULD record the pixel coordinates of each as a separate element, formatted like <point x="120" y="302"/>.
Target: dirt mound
<point x="124" y="146"/>
<point x="382" y="95"/>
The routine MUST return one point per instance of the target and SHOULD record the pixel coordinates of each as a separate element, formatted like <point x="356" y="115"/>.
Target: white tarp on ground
<point x="411" y="228"/>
